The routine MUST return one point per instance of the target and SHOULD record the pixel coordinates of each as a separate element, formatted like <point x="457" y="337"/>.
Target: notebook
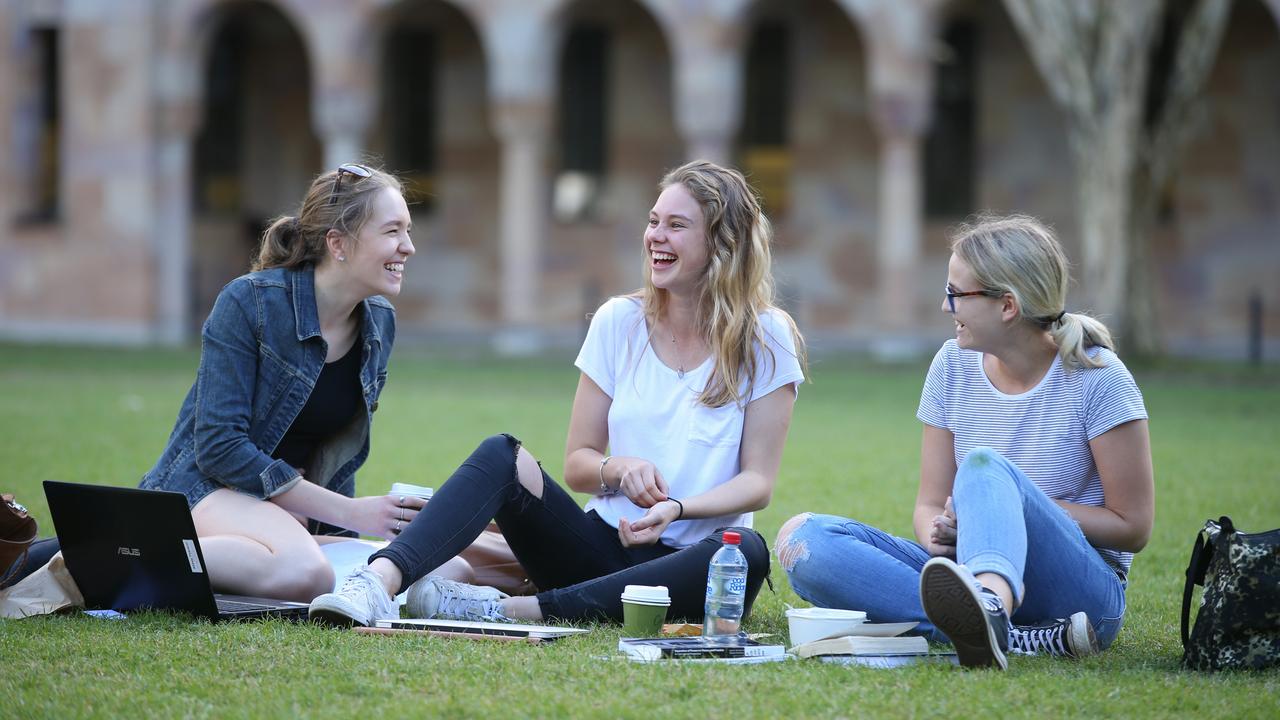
<point x="129" y="549"/>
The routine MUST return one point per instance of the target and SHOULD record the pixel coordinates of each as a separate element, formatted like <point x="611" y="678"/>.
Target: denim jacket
<point x="261" y="353"/>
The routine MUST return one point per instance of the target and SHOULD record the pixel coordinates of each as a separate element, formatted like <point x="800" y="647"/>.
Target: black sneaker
<point x="971" y="616"/>
<point x="1071" y="637"/>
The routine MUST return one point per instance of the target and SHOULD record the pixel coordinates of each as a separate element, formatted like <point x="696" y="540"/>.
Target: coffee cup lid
<point x="410" y="489"/>
<point x="647" y="594"/>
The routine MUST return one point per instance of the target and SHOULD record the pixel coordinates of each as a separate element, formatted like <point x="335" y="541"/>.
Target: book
<point x="891" y="661"/>
<point x="864" y="645"/>
<point x="466" y="628"/>
<point x="698" y="648"/>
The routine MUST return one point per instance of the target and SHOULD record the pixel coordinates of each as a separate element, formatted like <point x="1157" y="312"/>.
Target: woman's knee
<point x="983" y="465"/>
<point x="495" y="459"/>
<point x="496" y="448"/>
<point x="791" y="549"/>
<point x="529" y="472"/>
<point x="299" y="577"/>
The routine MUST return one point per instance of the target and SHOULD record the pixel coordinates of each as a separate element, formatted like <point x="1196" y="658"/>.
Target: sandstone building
<point x="145" y="143"/>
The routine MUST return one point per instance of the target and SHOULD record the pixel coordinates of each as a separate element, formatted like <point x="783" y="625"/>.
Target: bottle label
<point x="733" y="586"/>
<point x="736" y="586"/>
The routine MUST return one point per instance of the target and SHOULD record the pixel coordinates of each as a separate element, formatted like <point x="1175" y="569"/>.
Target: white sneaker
<point x="360" y="601"/>
<point x="436" y="597"/>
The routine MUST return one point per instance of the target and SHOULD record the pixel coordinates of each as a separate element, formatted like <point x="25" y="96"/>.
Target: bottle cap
<point x="731" y="537"/>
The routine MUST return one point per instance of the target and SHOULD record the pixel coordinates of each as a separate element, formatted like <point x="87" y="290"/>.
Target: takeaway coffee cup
<point x="644" y="609"/>
<point x="408" y="490"/>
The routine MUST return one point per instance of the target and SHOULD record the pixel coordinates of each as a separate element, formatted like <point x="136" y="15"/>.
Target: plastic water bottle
<point x="726" y="591"/>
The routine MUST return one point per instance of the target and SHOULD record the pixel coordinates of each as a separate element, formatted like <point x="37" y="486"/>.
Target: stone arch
<point x="254" y="148"/>
<point x="433" y="73"/>
<point x="600" y="209"/>
<point x="820" y="185"/>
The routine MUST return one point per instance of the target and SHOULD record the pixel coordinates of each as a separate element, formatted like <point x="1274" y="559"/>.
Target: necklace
<point x="679" y="362"/>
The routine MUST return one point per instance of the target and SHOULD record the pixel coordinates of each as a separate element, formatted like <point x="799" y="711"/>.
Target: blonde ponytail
<point x="1074" y="334"/>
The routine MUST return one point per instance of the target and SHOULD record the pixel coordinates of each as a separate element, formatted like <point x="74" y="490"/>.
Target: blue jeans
<point x="1006" y="525"/>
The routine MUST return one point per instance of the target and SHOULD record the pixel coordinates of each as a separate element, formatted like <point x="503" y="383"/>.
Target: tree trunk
<point x="1094" y="56"/>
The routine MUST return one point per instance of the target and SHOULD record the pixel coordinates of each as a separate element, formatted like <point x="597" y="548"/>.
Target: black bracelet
<point x="677" y="502"/>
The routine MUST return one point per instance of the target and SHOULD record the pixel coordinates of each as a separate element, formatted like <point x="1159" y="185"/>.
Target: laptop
<point x="128" y="549"/>
<point x="475" y="629"/>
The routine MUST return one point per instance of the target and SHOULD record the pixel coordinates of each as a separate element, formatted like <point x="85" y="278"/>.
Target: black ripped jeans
<point x="575" y="557"/>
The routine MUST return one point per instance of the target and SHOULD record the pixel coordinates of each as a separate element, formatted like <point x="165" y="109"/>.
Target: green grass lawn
<point x="102" y="416"/>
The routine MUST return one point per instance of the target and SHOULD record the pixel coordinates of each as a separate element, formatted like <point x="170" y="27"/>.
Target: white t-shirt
<point x="655" y="414"/>
<point x="1046" y="430"/>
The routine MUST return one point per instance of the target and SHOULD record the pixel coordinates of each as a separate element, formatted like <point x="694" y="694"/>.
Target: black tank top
<point x="334" y="401"/>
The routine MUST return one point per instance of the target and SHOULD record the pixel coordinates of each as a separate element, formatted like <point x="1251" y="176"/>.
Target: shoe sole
<point x="953" y="607"/>
<point x="331" y="616"/>
<point x="1082" y="647"/>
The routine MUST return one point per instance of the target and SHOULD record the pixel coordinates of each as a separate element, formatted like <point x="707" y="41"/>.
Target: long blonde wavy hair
<point x="738" y="284"/>
<point x="1019" y="255"/>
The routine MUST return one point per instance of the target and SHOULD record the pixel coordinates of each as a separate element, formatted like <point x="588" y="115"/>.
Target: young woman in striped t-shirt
<point x="1035" y="472"/>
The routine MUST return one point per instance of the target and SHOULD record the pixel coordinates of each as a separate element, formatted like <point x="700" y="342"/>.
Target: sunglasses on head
<point x="359" y="171"/>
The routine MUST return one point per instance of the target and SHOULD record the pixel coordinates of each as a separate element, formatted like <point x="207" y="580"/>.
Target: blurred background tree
<point x="1127" y="127"/>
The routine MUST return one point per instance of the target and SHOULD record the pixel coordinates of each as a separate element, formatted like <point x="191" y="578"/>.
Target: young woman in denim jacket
<point x="293" y="359"/>
<point x="690" y="382"/>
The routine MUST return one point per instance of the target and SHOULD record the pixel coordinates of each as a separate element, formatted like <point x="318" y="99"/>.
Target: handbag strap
<point x="1201" y="554"/>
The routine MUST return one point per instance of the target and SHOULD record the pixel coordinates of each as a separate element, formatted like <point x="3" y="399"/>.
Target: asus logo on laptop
<point x="131" y="552"/>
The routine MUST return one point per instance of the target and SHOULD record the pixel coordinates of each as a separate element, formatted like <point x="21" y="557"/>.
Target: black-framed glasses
<point x="359" y="171"/>
<point x="953" y="294"/>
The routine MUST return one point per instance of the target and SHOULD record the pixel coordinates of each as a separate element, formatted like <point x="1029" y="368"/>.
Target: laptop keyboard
<point x="238" y="606"/>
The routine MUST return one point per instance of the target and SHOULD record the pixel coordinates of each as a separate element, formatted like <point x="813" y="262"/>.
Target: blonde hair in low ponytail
<point x="1019" y="255"/>
<point x="294" y="241"/>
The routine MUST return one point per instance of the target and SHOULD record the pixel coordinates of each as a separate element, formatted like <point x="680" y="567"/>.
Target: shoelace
<point x="1034" y="640"/>
<point x="452" y="605"/>
<point x="361" y="585"/>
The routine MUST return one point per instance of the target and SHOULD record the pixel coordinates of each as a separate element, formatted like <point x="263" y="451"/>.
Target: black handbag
<point x="1238" y="623"/>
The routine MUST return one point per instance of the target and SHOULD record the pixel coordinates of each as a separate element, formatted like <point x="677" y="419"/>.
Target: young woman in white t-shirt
<point x="1035" y="473"/>
<point x="678" y="425"/>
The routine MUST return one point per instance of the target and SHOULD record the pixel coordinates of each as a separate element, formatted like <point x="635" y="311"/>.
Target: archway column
<point x="901" y="208"/>
<point x="524" y="130"/>
<point x="172" y="236"/>
<point x="343" y="114"/>
<point x="709" y="76"/>
<point x="521" y="78"/>
<point x="899" y="41"/>
<point x="344" y="100"/>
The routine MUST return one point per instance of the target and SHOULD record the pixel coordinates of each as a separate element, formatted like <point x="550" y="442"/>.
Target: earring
<point x="342" y="258"/>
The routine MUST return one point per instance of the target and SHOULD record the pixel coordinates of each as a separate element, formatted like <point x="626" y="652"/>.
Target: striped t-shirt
<point x="1046" y="430"/>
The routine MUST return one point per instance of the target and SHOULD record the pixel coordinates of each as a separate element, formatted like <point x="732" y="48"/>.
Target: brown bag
<point x="47" y="590"/>
<point x="17" y="532"/>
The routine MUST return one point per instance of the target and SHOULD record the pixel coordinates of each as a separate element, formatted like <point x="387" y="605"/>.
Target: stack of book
<point x="741" y="651"/>
<point x="873" y="645"/>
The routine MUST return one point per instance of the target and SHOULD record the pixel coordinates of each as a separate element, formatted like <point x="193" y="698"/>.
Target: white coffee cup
<point x="409" y="490"/>
<point x="644" y="609"/>
<point x="647" y="594"/>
